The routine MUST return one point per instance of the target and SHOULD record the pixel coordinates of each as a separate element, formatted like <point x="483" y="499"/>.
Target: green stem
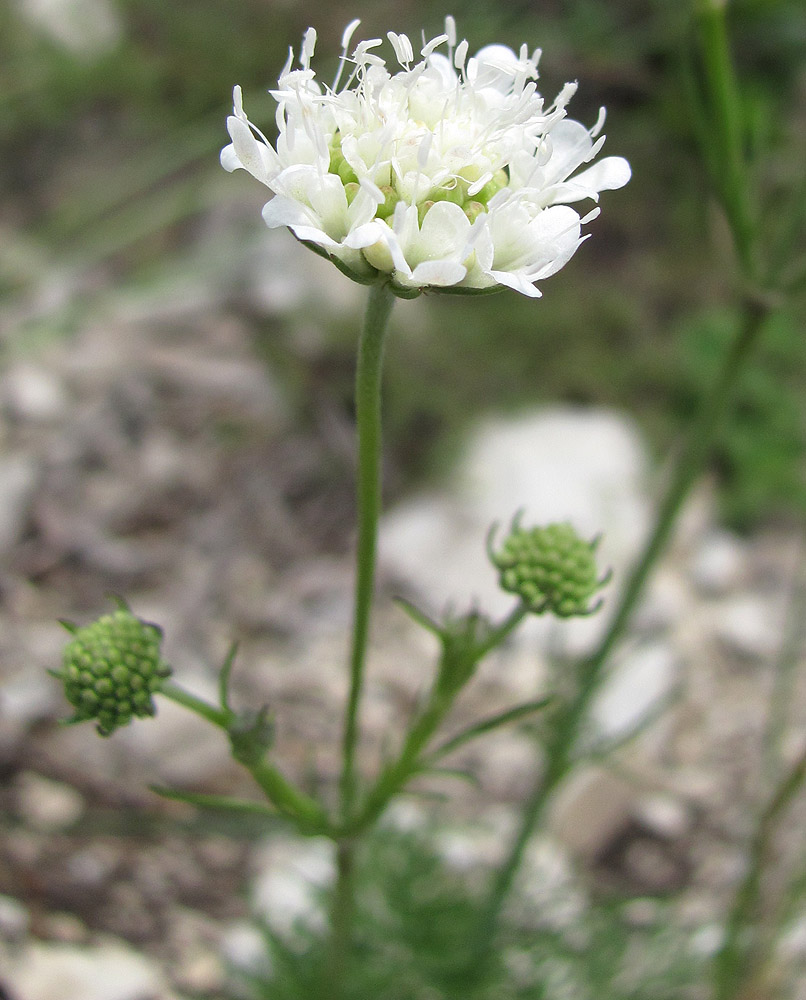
<point x="728" y="167"/>
<point x="733" y="961"/>
<point x="341" y="921"/>
<point x="368" y="495"/>
<point x="288" y="799"/>
<point x="368" y="499"/>
<point x="223" y="718"/>
<point x="566" y="725"/>
<point x="395" y="775"/>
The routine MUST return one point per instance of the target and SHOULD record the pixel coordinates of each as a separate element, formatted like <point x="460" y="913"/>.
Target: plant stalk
<point x="559" y="751"/>
<point x="369" y="368"/>
<point x="368" y="497"/>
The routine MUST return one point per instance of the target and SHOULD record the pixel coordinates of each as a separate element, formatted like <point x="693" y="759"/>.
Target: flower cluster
<point x="451" y="173"/>
<point x="112" y="668"/>
<point x="550" y="568"/>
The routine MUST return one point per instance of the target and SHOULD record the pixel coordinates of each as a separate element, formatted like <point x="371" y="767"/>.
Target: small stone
<point x="14" y="918"/>
<point x="749" y="627"/>
<point x="719" y="563"/>
<point x="244" y="946"/>
<point x="107" y="971"/>
<point x="48" y="805"/>
<point x="287" y="890"/>
<point x="19" y="475"/>
<point x="650" y="863"/>
<point x="33" y="393"/>
<point x="199" y="972"/>
<point x="664" y="815"/>
<point x="65" y="927"/>
<point x="591" y="807"/>
<point x="637" y="685"/>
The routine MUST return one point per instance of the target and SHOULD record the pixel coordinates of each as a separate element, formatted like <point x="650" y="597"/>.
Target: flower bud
<point x="550" y="568"/>
<point x="111" y="669"/>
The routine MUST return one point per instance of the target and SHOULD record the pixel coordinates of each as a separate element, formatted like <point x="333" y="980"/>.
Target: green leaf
<point x="490" y="723"/>
<point x="224" y="676"/>
<point x="452" y="772"/>
<point x="203" y="801"/>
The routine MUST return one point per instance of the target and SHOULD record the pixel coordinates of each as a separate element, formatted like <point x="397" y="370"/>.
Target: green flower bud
<point x="549" y="568"/>
<point x="111" y="669"/>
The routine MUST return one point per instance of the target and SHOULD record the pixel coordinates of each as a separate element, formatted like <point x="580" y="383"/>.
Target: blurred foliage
<point x="417" y="916"/>
<point x="108" y="164"/>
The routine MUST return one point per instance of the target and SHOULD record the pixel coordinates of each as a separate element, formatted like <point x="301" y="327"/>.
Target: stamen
<point x="461" y="55"/>
<point x="402" y="46"/>
<point x="308" y="46"/>
<point x="346" y="38"/>
<point x="597" y="128"/>
<point x="435" y="43"/>
<point x="450" y="31"/>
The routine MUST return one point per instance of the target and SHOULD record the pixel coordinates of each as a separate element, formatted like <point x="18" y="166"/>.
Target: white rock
<point x="465" y="848"/>
<point x="584" y="466"/>
<point x="29" y="695"/>
<point x="14" y="918"/>
<point x="638" y="681"/>
<point x="547" y="884"/>
<point x="109" y="971"/>
<point x="719" y="563"/>
<point x="33" y="393"/>
<point x="288" y="888"/>
<point x="749" y="626"/>
<point x="664" y="814"/>
<point x="48" y="805"/>
<point x="590" y="807"/>
<point x="244" y="946"/>
<point x="792" y="942"/>
<point x="18" y="479"/>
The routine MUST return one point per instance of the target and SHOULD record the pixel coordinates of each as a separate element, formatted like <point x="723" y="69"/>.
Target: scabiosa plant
<point x="452" y="173"/>
<point x="112" y="668"/>
<point x="550" y="568"/>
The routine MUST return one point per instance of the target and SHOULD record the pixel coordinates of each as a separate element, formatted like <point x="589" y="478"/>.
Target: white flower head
<point x="451" y="173"/>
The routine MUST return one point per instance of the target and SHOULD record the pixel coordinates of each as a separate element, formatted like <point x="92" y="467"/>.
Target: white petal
<point x="229" y="158"/>
<point x="609" y="174"/>
<point x="439" y="273"/>
<point x="444" y="234"/>
<point x="517" y="281"/>
<point x="253" y="155"/>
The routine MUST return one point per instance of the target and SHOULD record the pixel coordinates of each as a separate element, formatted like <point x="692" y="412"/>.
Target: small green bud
<point x="550" y="568"/>
<point x="112" y="668"/>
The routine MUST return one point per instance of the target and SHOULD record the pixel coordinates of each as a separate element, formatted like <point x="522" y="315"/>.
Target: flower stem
<point x="341" y="920"/>
<point x="559" y="752"/>
<point x="724" y="107"/>
<point x="734" y="962"/>
<point x="368" y="495"/>
<point x="289" y="800"/>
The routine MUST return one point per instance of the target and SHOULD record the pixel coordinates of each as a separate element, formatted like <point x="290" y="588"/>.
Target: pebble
<point x="589" y="809"/>
<point x="14" y="918"/>
<point x="639" y="682"/>
<point x="749" y="627"/>
<point x="109" y="970"/>
<point x="244" y="946"/>
<point x="33" y="393"/>
<point x="47" y="805"/>
<point x="19" y="476"/>
<point x="718" y="563"/>
<point x="287" y="888"/>
<point x="664" y="815"/>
